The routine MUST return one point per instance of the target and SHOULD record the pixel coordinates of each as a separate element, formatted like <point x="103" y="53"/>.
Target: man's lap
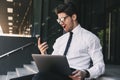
<point x="49" y="76"/>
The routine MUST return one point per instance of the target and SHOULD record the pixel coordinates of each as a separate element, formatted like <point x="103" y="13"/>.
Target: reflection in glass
<point x="16" y="17"/>
<point x="1" y="31"/>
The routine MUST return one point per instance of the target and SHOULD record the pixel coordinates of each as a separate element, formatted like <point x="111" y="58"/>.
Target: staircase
<point x="112" y="72"/>
<point x="28" y="69"/>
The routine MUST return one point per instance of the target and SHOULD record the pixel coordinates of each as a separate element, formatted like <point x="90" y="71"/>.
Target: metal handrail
<point x="12" y="51"/>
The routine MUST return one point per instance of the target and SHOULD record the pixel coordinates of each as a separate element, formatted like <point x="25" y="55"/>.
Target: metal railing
<point x="12" y="51"/>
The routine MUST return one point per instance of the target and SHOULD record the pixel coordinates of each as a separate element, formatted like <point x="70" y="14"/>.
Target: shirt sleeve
<point x="95" y="52"/>
<point x="55" y="48"/>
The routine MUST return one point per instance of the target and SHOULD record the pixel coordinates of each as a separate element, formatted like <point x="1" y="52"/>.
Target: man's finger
<point x="39" y="41"/>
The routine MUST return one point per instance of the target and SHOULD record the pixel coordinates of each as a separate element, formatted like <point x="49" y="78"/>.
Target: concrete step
<point x="108" y="78"/>
<point x="3" y="77"/>
<point x="28" y="69"/>
<point x="11" y="75"/>
<point x="23" y="71"/>
<point x="112" y="72"/>
<point x="33" y="62"/>
<point x="31" y="67"/>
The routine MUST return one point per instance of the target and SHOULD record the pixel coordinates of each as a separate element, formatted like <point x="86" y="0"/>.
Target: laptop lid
<point x="53" y="63"/>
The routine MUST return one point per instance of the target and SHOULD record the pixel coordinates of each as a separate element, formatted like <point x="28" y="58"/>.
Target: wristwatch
<point x="87" y="75"/>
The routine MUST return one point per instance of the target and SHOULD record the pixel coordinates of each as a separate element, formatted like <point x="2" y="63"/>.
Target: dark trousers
<point x="49" y="76"/>
<point x="26" y="77"/>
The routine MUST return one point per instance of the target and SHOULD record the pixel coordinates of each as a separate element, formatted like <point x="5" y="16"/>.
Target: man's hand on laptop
<point x="42" y="47"/>
<point x="77" y="75"/>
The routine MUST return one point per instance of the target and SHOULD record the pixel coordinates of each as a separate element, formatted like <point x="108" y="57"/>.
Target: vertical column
<point x="37" y="17"/>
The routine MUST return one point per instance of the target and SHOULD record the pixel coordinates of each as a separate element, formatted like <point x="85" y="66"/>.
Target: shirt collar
<point x="76" y="29"/>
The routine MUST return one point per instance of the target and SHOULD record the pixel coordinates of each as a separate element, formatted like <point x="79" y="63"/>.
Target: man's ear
<point x="74" y="16"/>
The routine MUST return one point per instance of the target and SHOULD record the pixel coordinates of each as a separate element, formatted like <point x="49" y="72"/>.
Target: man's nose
<point x="61" y="22"/>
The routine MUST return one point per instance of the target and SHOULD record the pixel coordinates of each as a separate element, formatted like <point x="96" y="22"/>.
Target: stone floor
<point x="112" y="72"/>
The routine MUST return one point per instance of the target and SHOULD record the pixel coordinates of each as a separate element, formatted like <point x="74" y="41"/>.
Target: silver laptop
<point x="52" y="63"/>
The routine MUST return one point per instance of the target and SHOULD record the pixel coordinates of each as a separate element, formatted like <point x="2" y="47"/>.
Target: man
<point x="84" y="48"/>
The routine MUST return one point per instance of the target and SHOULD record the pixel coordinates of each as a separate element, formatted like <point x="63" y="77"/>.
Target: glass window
<point x="16" y="18"/>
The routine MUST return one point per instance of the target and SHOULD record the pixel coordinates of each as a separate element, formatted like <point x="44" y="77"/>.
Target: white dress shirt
<point x="85" y="46"/>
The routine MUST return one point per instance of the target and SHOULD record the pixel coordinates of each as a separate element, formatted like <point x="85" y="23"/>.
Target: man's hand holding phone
<point x="42" y="47"/>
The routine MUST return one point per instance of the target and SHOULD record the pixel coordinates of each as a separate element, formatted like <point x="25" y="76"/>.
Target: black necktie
<point x="68" y="43"/>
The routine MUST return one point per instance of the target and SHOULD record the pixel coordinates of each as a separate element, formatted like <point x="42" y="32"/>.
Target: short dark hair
<point x="68" y="8"/>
